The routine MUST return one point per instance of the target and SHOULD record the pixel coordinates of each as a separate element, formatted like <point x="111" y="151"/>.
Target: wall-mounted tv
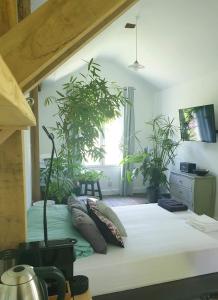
<point x="198" y="124"/>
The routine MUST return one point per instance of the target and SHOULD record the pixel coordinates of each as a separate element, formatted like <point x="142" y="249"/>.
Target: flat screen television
<point x="198" y="124"/>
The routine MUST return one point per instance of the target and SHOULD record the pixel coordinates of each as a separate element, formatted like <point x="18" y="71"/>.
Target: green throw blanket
<point x="59" y="227"/>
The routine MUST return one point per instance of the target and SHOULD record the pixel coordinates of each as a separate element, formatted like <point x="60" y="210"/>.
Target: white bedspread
<point x="160" y="247"/>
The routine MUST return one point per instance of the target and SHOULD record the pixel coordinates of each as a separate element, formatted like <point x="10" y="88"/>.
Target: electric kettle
<point x="24" y="282"/>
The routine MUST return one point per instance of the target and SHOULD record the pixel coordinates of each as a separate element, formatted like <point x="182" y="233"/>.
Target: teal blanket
<point x="59" y="227"/>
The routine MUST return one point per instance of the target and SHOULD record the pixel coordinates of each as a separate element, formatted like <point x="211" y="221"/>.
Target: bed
<point x="59" y="227"/>
<point x="164" y="258"/>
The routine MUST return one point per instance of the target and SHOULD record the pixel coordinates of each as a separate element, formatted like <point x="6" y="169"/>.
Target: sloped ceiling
<point x="177" y="41"/>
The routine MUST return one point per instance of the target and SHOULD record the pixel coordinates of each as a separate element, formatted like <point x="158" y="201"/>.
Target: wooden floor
<point x="121" y="201"/>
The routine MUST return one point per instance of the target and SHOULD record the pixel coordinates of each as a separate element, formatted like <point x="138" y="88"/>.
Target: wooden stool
<point x="89" y="186"/>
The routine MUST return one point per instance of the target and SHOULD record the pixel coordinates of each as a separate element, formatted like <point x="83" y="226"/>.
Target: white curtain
<point x="128" y="140"/>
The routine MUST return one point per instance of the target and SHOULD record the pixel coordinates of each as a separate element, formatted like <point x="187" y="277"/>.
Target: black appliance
<point x="198" y="124"/>
<point x="7" y="260"/>
<point x="187" y="167"/>
<point x="58" y="253"/>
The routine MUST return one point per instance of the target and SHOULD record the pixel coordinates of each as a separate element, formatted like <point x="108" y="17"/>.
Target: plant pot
<point x="153" y="194"/>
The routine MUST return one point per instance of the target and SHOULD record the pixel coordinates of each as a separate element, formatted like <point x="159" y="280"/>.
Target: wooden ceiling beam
<point x="14" y="108"/>
<point x="56" y="30"/>
<point x="8" y="15"/>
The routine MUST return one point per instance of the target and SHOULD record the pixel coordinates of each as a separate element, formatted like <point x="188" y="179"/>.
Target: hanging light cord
<point x="136" y="65"/>
<point x="136" y="43"/>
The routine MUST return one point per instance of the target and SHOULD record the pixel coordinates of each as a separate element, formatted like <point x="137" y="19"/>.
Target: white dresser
<point x="197" y="192"/>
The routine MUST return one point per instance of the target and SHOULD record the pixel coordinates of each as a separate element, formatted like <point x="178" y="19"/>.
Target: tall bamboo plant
<point x="153" y="164"/>
<point x="84" y="104"/>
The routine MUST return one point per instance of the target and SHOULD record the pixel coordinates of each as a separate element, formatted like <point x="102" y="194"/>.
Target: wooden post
<point x="24" y="9"/>
<point x="12" y="184"/>
<point x="8" y="15"/>
<point x="12" y="192"/>
<point x="35" y="148"/>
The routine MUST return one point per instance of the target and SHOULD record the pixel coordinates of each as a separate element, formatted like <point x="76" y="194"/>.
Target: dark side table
<point x="90" y="186"/>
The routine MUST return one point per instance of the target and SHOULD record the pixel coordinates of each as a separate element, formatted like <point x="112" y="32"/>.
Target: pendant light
<point x="136" y="65"/>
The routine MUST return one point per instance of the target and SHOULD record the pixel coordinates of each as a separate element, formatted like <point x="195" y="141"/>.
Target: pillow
<point x="91" y="204"/>
<point x="112" y="216"/>
<point x="88" y="229"/>
<point x="107" y="228"/>
<point x="73" y="202"/>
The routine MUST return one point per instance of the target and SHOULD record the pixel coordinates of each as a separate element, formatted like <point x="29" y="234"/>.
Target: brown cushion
<point x="88" y="229"/>
<point x="107" y="228"/>
<point x="109" y="213"/>
<point x="74" y="202"/>
<point x="91" y="204"/>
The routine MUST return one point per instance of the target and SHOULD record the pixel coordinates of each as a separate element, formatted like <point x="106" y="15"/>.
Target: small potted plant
<point x="153" y="164"/>
<point x="88" y="175"/>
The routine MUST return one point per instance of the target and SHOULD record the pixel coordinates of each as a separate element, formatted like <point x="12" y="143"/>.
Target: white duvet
<point x="160" y="247"/>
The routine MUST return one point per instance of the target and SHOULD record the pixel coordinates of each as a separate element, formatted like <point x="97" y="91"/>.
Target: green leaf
<point x="90" y="63"/>
<point x="60" y="94"/>
<point x="49" y="100"/>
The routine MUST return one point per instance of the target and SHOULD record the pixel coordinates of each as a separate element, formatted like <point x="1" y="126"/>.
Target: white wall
<point x="197" y="92"/>
<point x="144" y="100"/>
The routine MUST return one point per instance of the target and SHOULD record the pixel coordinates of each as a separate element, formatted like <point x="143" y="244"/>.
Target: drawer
<point x="181" y="180"/>
<point x="182" y="194"/>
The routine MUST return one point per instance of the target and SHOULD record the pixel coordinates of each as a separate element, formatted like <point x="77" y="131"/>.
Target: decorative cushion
<point x="107" y="228"/>
<point x="91" y="204"/>
<point x="112" y="216"/>
<point x="73" y="202"/>
<point x="88" y="229"/>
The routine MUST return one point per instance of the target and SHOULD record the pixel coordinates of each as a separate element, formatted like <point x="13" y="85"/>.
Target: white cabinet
<point x="197" y="192"/>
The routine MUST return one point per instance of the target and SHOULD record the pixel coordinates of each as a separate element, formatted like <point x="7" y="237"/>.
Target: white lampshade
<point x="136" y="66"/>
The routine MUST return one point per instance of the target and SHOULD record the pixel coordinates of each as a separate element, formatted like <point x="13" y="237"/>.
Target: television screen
<point x="198" y="124"/>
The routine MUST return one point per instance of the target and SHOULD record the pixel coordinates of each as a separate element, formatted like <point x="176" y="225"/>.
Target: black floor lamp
<point x="45" y="227"/>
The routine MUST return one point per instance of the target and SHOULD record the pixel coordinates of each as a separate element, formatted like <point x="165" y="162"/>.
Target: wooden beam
<point x="24" y="9"/>
<point x="8" y="15"/>
<point x="5" y="133"/>
<point x="35" y="148"/>
<point x="14" y="109"/>
<point x="56" y="30"/>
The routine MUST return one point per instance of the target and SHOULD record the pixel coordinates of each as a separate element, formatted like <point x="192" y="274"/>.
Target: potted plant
<point x="87" y="175"/>
<point x="84" y="104"/>
<point x="153" y="164"/>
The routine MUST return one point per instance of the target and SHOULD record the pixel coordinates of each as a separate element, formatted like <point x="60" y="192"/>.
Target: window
<point x="112" y="142"/>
